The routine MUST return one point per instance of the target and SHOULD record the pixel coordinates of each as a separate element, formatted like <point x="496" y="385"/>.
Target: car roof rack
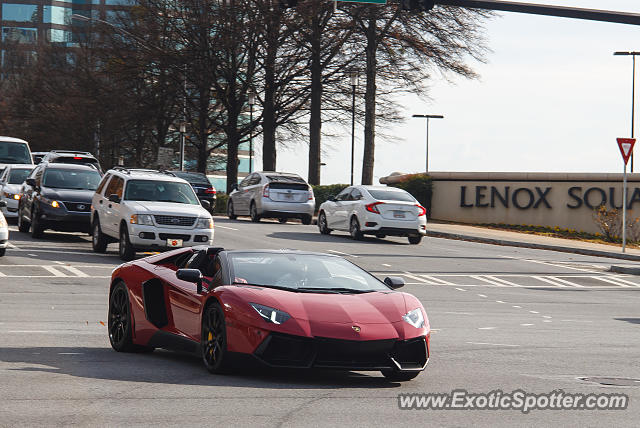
<point x="141" y="170"/>
<point x="70" y="152"/>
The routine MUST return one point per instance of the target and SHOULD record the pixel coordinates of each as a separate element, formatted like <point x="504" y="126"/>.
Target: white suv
<point x="144" y="209"/>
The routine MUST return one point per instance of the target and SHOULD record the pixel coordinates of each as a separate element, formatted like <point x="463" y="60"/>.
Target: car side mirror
<point x="30" y="182"/>
<point x="234" y="187"/>
<point x="114" y="198"/>
<point x="3" y="204"/>
<point x="331" y="198"/>
<point x="191" y="275"/>
<point x="394" y="282"/>
<point x="205" y="204"/>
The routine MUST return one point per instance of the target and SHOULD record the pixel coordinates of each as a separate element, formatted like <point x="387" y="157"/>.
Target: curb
<point x="583" y="251"/>
<point x="627" y="270"/>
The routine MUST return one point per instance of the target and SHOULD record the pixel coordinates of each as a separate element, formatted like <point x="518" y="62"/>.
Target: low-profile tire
<point x="23" y="226"/>
<point x="306" y="219"/>
<point x="398" y="376"/>
<point x="354" y="229"/>
<point x="37" y="231"/>
<point x="98" y="239"/>
<point x="282" y="220"/>
<point x="3" y="251"/>
<point x="125" y="249"/>
<point x="119" y="322"/>
<point x="230" y="212"/>
<point x="415" y="240"/>
<point x="322" y="224"/>
<point x="213" y="343"/>
<point x="253" y="211"/>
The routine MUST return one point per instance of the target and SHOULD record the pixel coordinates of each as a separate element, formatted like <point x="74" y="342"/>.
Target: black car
<point x="57" y="196"/>
<point x="201" y="185"/>
<point x="72" y="157"/>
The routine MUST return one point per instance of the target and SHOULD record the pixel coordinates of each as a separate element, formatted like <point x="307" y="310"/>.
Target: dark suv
<point x="201" y="185"/>
<point x="69" y="156"/>
<point x="57" y="196"/>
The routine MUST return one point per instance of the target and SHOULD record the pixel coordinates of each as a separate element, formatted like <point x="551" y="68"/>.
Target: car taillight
<point x="265" y="191"/>
<point x="373" y="207"/>
<point x="77" y="157"/>
<point x="423" y="210"/>
<point x="210" y="191"/>
<point x="310" y="194"/>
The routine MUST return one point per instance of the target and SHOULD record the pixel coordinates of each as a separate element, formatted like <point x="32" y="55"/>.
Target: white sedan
<point x="374" y="210"/>
<point x="4" y="231"/>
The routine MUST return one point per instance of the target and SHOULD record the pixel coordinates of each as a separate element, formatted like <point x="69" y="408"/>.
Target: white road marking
<point x="546" y="316"/>
<point x="486" y="328"/>
<point x="460" y="289"/>
<point x="35" y="255"/>
<point x="493" y="283"/>
<point x="384" y="264"/>
<point x="516" y="306"/>
<point x="615" y="280"/>
<point x="500" y="301"/>
<point x="418" y="278"/>
<point x="482" y="295"/>
<point x="454" y="313"/>
<point x="341" y="253"/>
<point x="534" y="312"/>
<point x="437" y="280"/>
<point x="558" y="265"/>
<point x="60" y="263"/>
<point x="492" y="344"/>
<point x="224" y="227"/>
<point x="548" y="281"/>
<point x="53" y="271"/>
<point x="547" y="321"/>
<point x="76" y="272"/>
<point x="526" y="325"/>
<point x="564" y="281"/>
<point x="1" y="274"/>
<point x="10" y="245"/>
<point x="577" y="321"/>
<point x="70" y="353"/>
<point x="504" y="281"/>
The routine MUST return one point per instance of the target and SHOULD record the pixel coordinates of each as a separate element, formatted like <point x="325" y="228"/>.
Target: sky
<point x="551" y="98"/>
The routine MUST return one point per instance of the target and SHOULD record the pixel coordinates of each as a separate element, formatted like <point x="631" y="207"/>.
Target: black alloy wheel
<point x="230" y="212"/>
<point x="119" y="323"/>
<point x="98" y="239"/>
<point x="354" y="229"/>
<point x="23" y="226"/>
<point x="399" y="376"/>
<point x="253" y="211"/>
<point x="125" y="249"/>
<point x="322" y="224"/>
<point x="213" y="344"/>
<point x="37" y="231"/>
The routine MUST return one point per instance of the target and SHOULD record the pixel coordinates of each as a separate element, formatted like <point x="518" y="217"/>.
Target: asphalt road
<point x="503" y="318"/>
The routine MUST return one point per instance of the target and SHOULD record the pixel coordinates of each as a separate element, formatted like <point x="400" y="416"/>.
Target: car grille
<point x="165" y="236"/>
<point x="169" y="220"/>
<point x="282" y="350"/>
<point x="83" y="207"/>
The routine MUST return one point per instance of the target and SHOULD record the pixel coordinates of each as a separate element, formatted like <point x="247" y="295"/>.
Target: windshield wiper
<point x="277" y="287"/>
<point x="336" y="290"/>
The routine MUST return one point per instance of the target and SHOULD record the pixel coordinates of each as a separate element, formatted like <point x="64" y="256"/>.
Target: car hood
<point x="68" y="195"/>
<point x="167" y="208"/>
<point x="12" y="188"/>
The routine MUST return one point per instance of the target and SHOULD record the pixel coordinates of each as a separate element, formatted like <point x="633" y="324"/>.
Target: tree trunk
<point x="233" y="141"/>
<point x="268" y="115"/>
<point x="203" y="120"/>
<point x="370" y="102"/>
<point x="315" y="121"/>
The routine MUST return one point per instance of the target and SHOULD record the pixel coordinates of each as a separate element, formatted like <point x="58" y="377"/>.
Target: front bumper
<point x="62" y="220"/>
<point x="11" y="210"/>
<point x="4" y="237"/>
<point x="283" y="350"/>
<point x="286" y="209"/>
<point x="153" y="237"/>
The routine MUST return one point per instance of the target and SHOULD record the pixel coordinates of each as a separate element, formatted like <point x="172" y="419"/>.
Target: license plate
<point x="398" y="214"/>
<point x="174" y="242"/>
<point x="288" y="196"/>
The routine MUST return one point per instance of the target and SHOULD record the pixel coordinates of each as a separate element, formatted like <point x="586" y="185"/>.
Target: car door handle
<point x="100" y="202"/>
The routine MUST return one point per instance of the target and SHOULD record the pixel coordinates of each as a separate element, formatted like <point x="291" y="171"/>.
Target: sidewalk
<point x="516" y="239"/>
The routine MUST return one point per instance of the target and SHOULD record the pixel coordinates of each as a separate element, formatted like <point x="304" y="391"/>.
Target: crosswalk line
<point x="547" y="280"/>
<point x="488" y="281"/>
<point x="53" y="271"/>
<point x="437" y="280"/>
<point x="613" y="280"/>
<point x="76" y="272"/>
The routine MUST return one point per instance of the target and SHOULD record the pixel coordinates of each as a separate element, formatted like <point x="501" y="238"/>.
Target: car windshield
<point x="71" y="179"/>
<point x="193" y="177"/>
<point x="391" y="195"/>
<point x="17" y="176"/>
<point x="14" y="153"/>
<point x="302" y="272"/>
<point x="160" y="191"/>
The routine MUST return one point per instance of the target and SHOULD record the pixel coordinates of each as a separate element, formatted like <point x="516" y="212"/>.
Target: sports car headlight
<point x="204" y="223"/>
<point x="415" y="318"/>
<point x="144" y="219"/>
<point x="271" y="315"/>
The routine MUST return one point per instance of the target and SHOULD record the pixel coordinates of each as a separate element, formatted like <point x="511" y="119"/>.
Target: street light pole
<point x="633" y="94"/>
<point x="183" y="130"/>
<point x="354" y="83"/>
<point x="428" y="116"/>
<point x="252" y="101"/>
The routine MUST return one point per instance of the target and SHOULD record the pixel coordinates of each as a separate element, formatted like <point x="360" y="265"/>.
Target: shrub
<point x="322" y="193"/>
<point x="221" y="203"/>
<point x="420" y="186"/>
<point x="609" y="222"/>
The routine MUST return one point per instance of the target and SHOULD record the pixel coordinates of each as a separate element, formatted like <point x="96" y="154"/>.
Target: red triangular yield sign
<point x="626" y="148"/>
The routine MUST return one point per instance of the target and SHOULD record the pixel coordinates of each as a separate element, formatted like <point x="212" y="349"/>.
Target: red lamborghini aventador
<point x="282" y="308"/>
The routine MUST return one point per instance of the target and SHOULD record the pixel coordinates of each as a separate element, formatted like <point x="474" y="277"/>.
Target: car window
<point x="71" y="179"/>
<point x="161" y="191"/>
<point x="355" y="195"/>
<point x="115" y="187"/>
<point x="16" y="175"/>
<point x="11" y="152"/>
<point x="342" y="196"/>
<point x="244" y="183"/>
<point x="391" y="195"/>
<point x="103" y="183"/>
<point x="285" y="178"/>
<point x="3" y="173"/>
<point x="254" y="179"/>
